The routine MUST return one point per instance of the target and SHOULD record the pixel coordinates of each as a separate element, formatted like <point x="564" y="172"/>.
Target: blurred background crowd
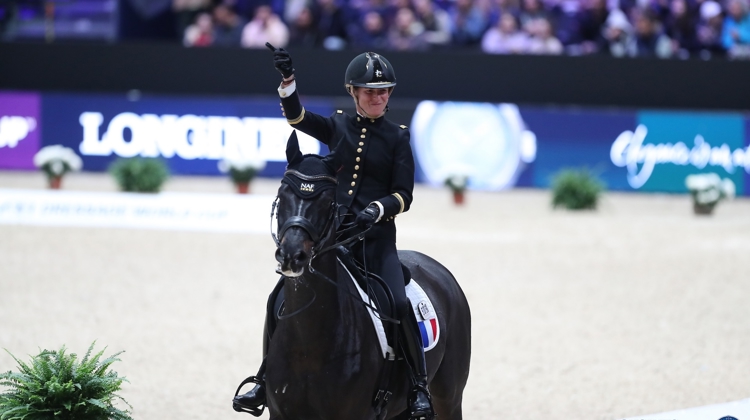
<point x="624" y="28"/>
<point x="621" y="28"/>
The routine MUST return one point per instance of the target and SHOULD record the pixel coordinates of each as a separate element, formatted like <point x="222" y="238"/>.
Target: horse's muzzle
<point x="292" y="264"/>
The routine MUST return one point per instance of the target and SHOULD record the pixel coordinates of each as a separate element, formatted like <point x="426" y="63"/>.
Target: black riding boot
<point x="254" y="401"/>
<point x="420" y="403"/>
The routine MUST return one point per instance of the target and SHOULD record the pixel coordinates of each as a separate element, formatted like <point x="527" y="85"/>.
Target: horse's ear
<point x="293" y="154"/>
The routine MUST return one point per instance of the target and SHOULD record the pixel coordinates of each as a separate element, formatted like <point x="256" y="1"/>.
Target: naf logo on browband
<point x="305" y="187"/>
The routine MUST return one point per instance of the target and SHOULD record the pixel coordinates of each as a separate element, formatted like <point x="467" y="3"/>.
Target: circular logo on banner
<point x="488" y="143"/>
<point x="728" y="418"/>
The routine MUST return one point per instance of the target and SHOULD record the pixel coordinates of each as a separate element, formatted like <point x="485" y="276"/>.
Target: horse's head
<point x="305" y="209"/>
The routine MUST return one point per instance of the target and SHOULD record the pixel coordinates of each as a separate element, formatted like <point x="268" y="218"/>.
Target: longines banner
<point x="496" y="146"/>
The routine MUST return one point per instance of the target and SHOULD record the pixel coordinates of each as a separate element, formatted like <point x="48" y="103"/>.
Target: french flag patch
<point x="429" y="330"/>
<point x="424" y="311"/>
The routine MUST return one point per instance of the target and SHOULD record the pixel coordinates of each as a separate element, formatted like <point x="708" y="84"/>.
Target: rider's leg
<point x="257" y="396"/>
<point x="420" y="404"/>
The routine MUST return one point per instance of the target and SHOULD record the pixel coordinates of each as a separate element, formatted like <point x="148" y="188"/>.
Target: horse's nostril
<point x="300" y="256"/>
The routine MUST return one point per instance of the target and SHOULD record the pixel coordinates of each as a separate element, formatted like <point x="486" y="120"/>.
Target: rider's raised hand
<point x="369" y="216"/>
<point x="282" y="61"/>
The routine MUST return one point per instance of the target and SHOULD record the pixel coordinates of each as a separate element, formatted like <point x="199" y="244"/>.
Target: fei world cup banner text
<point x="497" y="146"/>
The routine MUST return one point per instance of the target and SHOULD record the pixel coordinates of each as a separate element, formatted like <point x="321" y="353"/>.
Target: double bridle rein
<point x="319" y="239"/>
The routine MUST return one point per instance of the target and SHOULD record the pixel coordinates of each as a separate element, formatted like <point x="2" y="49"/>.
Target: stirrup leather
<point x="255" y="411"/>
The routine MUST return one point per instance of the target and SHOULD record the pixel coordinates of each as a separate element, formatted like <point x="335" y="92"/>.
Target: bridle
<point x="319" y="239"/>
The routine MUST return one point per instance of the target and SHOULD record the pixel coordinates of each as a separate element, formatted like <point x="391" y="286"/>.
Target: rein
<point x="305" y="224"/>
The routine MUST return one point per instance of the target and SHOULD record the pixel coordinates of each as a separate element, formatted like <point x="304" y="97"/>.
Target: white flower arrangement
<point x="457" y="183"/>
<point x="708" y="189"/>
<point x="57" y="160"/>
<point x="242" y="170"/>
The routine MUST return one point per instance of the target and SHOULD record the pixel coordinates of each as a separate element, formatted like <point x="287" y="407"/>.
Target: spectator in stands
<point x="303" y="30"/>
<point x="618" y="35"/>
<point x="591" y="22"/>
<point x="228" y="26"/>
<point x="394" y="6"/>
<point x="736" y="31"/>
<point x="531" y="17"/>
<point x="293" y="9"/>
<point x="265" y="27"/>
<point x="372" y="33"/>
<point x="649" y="39"/>
<point x="544" y="41"/>
<point x="361" y="7"/>
<point x="332" y="24"/>
<point x="505" y="37"/>
<point x="406" y="33"/>
<point x="564" y="16"/>
<point x="680" y="26"/>
<point x="436" y="22"/>
<point x="501" y="7"/>
<point x="187" y="11"/>
<point x="710" y="29"/>
<point x="469" y="23"/>
<point x="200" y="33"/>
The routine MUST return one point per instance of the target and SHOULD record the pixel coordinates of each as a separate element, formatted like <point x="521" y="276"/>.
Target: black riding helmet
<point x="370" y="70"/>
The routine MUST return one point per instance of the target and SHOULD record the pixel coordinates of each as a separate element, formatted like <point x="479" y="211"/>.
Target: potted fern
<point x="56" y="385"/>
<point x="576" y="189"/>
<point x="242" y="171"/>
<point x="139" y="174"/>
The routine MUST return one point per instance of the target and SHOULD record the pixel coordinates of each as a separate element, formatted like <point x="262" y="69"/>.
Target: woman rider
<point x="376" y="179"/>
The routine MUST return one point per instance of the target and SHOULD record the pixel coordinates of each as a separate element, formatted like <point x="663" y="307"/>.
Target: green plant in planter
<point x="457" y="184"/>
<point x="139" y="174"/>
<point x="576" y="189"/>
<point x="55" y="385"/>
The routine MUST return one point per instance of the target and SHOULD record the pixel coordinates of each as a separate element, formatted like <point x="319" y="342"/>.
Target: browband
<point x="302" y="176"/>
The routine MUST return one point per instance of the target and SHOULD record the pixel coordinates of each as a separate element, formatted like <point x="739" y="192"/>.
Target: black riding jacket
<point x="373" y="158"/>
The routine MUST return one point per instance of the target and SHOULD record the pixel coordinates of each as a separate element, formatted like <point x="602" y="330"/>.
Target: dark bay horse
<point x="324" y="359"/>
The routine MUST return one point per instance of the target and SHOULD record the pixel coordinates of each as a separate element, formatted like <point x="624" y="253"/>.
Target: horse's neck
<point x="318" y="319"/>
<point x="332" y="317"/>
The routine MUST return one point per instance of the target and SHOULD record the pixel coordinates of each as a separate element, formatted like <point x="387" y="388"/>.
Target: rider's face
<point x="372" y="101"/>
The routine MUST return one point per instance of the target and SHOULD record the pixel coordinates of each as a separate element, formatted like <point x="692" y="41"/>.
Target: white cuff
<point x="382" y="210"/>
<point x="285" y="92"/>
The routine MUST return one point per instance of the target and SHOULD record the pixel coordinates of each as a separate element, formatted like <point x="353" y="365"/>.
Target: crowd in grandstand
<point x="621" y="28"/>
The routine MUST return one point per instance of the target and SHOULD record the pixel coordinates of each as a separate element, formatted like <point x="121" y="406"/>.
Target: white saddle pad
<point x="423" y="310"/>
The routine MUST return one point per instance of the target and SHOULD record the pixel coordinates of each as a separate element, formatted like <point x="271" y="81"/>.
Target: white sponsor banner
<point x="170" y="211"/>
